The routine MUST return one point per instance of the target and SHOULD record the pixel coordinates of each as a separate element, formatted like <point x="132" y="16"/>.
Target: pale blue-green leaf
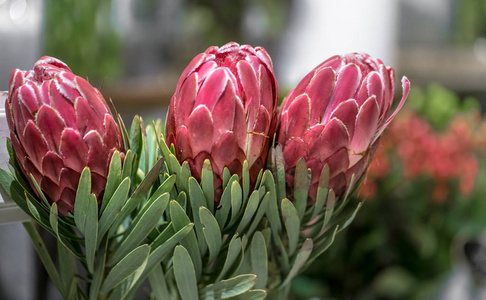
<point x="140" y="231"/>
<point x="91" y="231"/>
<point x="185" y="275"/>
<point x="211" y="232"/>
<point x="259" y="260"/>
<point x="127" y="164"/>
<point x="149" y="179"/>
<point x="301" y="187"/>
<point x="128" y="266"/>
<point x="81" y="202"/>
<point x="292" y="224"/>
<point x="225" y="289"/>
<point x="245" y="181"/>
<point x="39" y="191"/>
<point x="272" y="214"/>
<point x="222" y="213"/>
<point x="300" y="260"/>
<point x="262" y="209"/>
<point x="226" y="177"/>
<point x="280" y="172"/>
<point x="114" y="207"/>
<point x="158" y="284"/>
<point x="236" y="202"/>
<point x="250" y="211"/>
<point x="251" y="295"/>
<point x="197" y="200"/>
<point x="179" y="220"/>
<point x="234" y="250"/>
<point x="113" y="180"/>
<point x="207" y="184"/>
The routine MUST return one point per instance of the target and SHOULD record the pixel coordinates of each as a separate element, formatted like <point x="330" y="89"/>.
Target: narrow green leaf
<point x="140" y="231"/>
<point x="226" y="177"/>
<point x="259" y="260"/>
<point x="45" y="257"/>
<point x="245" y="179"/>
<point x="185" y="275"/>
<point x="273" y="214"/>
<point x="330" y="202"/>
<point x="351" y="218"/>
<point x="280" y="172"/>
<point x="345" y="200"/>
<point x="136" y="142"/>
<point x="207" y="184"/>
<point x="39" y="191"/>
<point x="149" y="179"/>
<point x="91" y="231"/>
<point x="113" y="180"/>
<point x="250" y="211"/>
<point x="127" y="164"/>
<point x="222" y="213"/>
<point x="67" y="265"/>
<point x="328" y="240"/>
<point x="301" y="187"/>
<point x="197" y="199"/>
<point x="234" y="250"/>
<point x="211" y="232"/>
<point x="322" y="190"/>
<point x="183" y="177"/>
<point x="236" y="201"/>
<point x="225" y="289"/>
<point x="179" y="220"/>
<point x="81" y="202"/>
<point x="99" y="271"/>
<point x="165" y="187"/>
<point x="158" y="284"/>
<point x="182" y="200"/>
<point x="33" y="211"/>
<point x="114" y="207"/>
<point x="292" y="224"/>
<point x="259" y="215"/>
<point x="300" y="260"/>
<point x="126" y="267"/>
<point x="251" y="295"/>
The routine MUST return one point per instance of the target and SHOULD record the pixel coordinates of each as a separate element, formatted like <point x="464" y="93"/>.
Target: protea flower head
<point x="224" y="109"/>
<point x="335" y="116"/>
<point x="60" y="124"/>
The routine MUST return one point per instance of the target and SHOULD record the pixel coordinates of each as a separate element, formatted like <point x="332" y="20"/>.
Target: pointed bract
<point x="348" y="107"/>
<point x="59" y="124"/>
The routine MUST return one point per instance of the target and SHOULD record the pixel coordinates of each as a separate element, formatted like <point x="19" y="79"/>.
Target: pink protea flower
<point x="335" y="116"/>
<point x="224" y="109"/>
<point x="60" y="124"/>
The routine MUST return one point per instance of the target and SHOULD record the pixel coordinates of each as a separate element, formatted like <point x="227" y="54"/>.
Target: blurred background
<point x="421" y="230"/>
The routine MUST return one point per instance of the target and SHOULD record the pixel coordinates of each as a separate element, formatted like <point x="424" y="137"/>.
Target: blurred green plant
<point x="469" y="21"/>
<point x="83" y="33"/>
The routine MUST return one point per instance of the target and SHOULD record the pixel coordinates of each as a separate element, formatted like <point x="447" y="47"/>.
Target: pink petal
<point x="52" y="165"/>
<point x="51" y="189"/>
<point x="86" y="117"/>
<point x="366" y="126"/>
<point x="112" y="134"/>
<point x="333" y="137"/>
<point x="98" y="183"/>
<point x="294" y="149"/>
<point x="62" y="105"/>
<point x="69" y="178"/>
<point x="184" y="100"/>
<point x="66" y="202"/>
<point x="320" y="91"/>
<point x="298" y="116"/>
<point x="200" y="129"/>
<point x="92" y="96"/>
<point x="183" y="144"/>
<point x="212" y="88"/>
<point x="195" y="63"/>
<point x="74" y="150"/>
<point x="257" y="137"/>
<point x="347" y="83"/>
<point x="51" y="125"/>
<point x="251" y="98"/>
<point x="34" y="144"/>
<point x="239" y="124"/>
<point x="98" y="153"/>
<point x="225" y="151"/>
<point x="268" y="89"/>
<point x="224" y="110"/>
<point x="346" y="112"/>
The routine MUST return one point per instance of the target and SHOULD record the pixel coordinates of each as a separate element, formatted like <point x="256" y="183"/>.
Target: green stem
<point x="44" y="256"/>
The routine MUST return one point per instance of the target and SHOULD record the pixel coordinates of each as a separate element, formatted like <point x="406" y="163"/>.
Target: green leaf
<point x="165" y="187"/>
<point x="300" y="260"/>
<point x="81" y="202"/>
<point x="197" y="199"/>
<point x="91" y="231"/>
<point x="250" y="211"/>
<point x="127" y="164"/>
<point x="183" y="176"/>
<point x="245" y="181"/>
<point x="136" y="140"/>
<point x="14" y="189"/>
<point x="273" y="214"/>
<point x="292" y="224"/>
<point x="158" y="284"/>
<point x="330" y="202"/>
<point x="99" y="272"/>
<point x="226" y="177"/>
<point x="182" y="200"/>
<point x="149" y="179"/>
<point x="236" y="201"/>
<point x="129" y="265"/>
<point x="259" y="260"/>
<point x="328" y="240"/>
<point x="280" y="172"/>
<point x="301" y="187"/>
<point x="260" y="213"/>
<point x="222" y="213"/>
<point x="185" y="275"/>
<point x="39" y="191"/>
<point x="351" y="218"/>
<point x="140" y="230"/>
<point x="322" y="191"/>
<point x="114" y="207"/>
<point x="251" y="295"/>
<point x="234" y="251"/>
<point x="113" y="180"/>
<point x="211" y="232"/>
<point x="67" y="265"/>
<point x="225" y="289"/>
<point x="179" y="220"/>
<point x="207" y="184"/>
<point x="45" y="257"/>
